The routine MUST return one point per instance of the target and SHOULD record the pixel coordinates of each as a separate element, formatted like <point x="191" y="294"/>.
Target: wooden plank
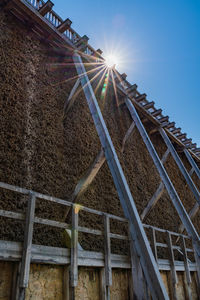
<point x="26" y="255"/>
<point x="141" y="243"/>
<point x="74" y="247"/>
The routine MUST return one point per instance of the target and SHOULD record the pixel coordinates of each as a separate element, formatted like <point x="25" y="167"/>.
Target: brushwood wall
<point x="43" y="150"/>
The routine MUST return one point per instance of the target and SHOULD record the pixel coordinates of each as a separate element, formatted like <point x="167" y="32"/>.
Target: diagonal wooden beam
<point x="157" y="194"/>
<point x="70" y="100"/>
<point x="127" y="135"/>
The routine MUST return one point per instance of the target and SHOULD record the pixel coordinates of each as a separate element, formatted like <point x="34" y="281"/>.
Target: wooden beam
<point x="157" y="194"/>
<point x="70" y="100"/>
<point x="47" y="7"/>
<point x="127" y="135"/>
<point x="173" y="268"/>
<point x="64" y="25"/>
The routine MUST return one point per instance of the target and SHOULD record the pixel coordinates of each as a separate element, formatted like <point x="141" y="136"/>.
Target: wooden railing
<point x="75" y="228"/>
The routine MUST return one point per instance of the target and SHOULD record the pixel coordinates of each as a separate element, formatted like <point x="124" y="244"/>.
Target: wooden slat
<point x="187" y="270"/>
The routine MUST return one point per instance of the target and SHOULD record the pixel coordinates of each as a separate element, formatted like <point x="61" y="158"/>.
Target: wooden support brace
<point x="47" y="7"/>
<point x="70" y="100"/>
<point x="64" y="25"/>
<point x="26" y="255"/>
<point x="127" y="135"/>
<point x="157" y="194"/>
<point x="154" y="244"/>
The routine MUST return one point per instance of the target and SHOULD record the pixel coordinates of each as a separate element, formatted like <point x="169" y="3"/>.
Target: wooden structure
<point x="144" y="262"/>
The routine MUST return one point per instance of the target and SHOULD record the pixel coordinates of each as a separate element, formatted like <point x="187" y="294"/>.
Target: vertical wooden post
<point x="74" y="250"/>
<point x="154" y="244"/>
<point x="103" y="284"/>
<point x="66" y="283"/>
<point x="108" y="269"/>
<point x="137" y="274"/>
<point x="172" y="264"/>
<point x="26" y="255"/>
<point x="187" y="270"/>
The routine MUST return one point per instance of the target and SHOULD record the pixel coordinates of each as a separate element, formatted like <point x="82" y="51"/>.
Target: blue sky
<point x="160" y="42"/>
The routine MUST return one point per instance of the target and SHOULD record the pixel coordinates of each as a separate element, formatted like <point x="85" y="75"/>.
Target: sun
<point x="111" y="61"/>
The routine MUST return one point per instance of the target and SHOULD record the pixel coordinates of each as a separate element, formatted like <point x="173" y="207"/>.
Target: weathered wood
<point x="74" y="247"/>
<point x="153" y="233"/>
<point x="47" y="7"/>
<point x="66" y="283"/>
<point x="127" y="135"/>
<point x="136" y="272"/>
<point x="64" y="25"/>
<point x="102" y="284"/>
<point x="157" y="194"/>
<point x="107" y="245"/>
<point x="173" y="269"/>
<point x="187" y="270"/>
<point x="26" y="255"/>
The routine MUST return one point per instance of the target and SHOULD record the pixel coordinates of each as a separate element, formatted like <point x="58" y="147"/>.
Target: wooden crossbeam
<point x="64" y="25"/>
<point x="140" y="98"/>
<point x="47" y="7"/>
<point x="156" y="112"/>
<point x="149" y="105"/>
